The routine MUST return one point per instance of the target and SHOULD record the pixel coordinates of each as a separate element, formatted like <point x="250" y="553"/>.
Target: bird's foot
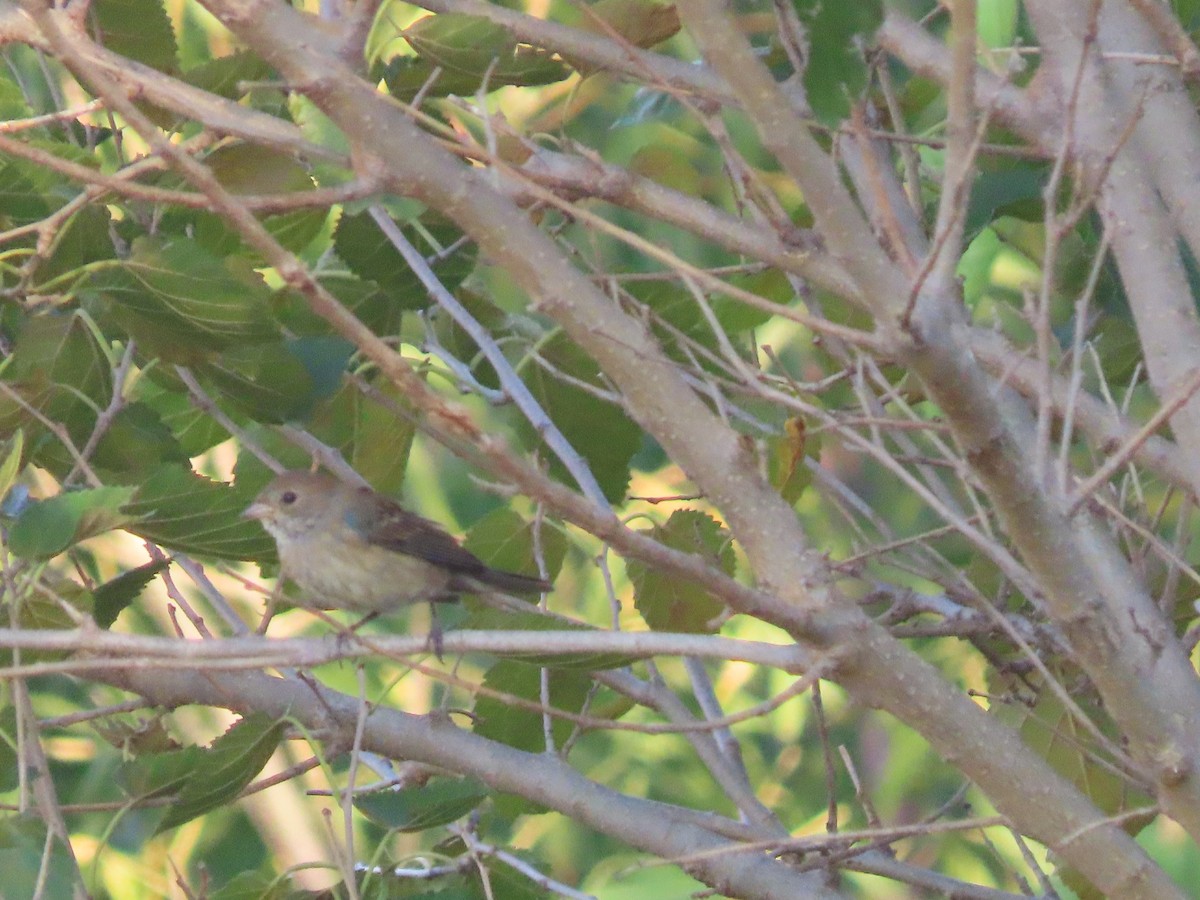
<point x="434" y="642"/>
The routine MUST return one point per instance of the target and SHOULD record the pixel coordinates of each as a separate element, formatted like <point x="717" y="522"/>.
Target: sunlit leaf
<point x="194" y="429"/>
<point x="11" y="467"/>
<point x="996" y="22"/>
<point x="468" y="49"/>
<point x="790" y="474"/>
<point x="642" y="23"/>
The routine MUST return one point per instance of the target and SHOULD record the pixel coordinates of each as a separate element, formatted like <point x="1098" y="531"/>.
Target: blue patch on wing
<point x="354" y="520"/>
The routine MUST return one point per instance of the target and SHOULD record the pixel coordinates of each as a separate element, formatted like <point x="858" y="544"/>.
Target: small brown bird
<point x="351" y="548"/>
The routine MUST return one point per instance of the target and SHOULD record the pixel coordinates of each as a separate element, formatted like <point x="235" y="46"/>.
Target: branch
<point x="657" y="828"/>
<point x="252" y="651"/>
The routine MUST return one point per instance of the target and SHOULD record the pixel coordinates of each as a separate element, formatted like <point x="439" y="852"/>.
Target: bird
<point x="348" y="547"/>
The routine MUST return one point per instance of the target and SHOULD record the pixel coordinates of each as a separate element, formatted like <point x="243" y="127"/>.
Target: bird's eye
<point x="287" y="498"/>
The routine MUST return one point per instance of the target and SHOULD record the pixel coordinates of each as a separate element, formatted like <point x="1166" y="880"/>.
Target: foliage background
<point x="835" y="361"/>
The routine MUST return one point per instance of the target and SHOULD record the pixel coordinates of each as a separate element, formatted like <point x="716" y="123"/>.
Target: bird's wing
<point x="397" y="529"/>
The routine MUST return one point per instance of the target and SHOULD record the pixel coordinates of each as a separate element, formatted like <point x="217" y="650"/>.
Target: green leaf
<point x="179" y="509"/>
<point x="21" y="199"/>
<point x="12" y="101"/>
<point x="8" y="748"/>
<point x="1008" y="190"/>
<point x="642" y="23"/>
<point x="137" y="440"/>
<point x="373" y="438"/>
<point x="116" y="594"/>
<point x="85" y="240"/>
<point x="677" y="306"/>
<point x="137" y="29"/>
<point x="254" y="886"/>
<point x="460" y="42"/>
<point x="499" y="721"/>
<point x="663" y="163"/>
<point x="266" y="381"/>
<point x="154" y="774"/>
<point x="367" y="300"/>
<point x="789" y="474"/>
<point x="33" y="863"/>
<point x="669" y="603"/>
<point x="256" y="169"/>
<point x="370" y="255"/>
<point x="504" y="540"/>
<point x="440" y="801"/>
<point x="1188" y="12"/>
<point x="406" y="76"/>
<point x="30" y="191"/>
<point x="194" y="430"/>
<point x="324" y="357"/>
<point x="451" y="336"/>
<point x="996" y="22"/>
<point x="513" y="884"/>
<point x="182" y="303"/>
<point x="600" y="431"/>
<point x="467" y="49"/>
<point x="59" y="370"/>
<point x="47" y="608"/>
<point x="225" y="768"/>
<point x="322" y="131"/>
<point x="135" y="734"/>
<point x="48" y="527"/>
<point x="11" y="466"/>
<point x="297" y="228"/>
<point x="225" y="75"/>
<point x="279" y="382"/>
<point x="837" y="70"/>
<point x="60" y="352"/>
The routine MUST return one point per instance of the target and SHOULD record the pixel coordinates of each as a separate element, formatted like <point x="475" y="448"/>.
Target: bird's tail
<point x="511" y="582"/>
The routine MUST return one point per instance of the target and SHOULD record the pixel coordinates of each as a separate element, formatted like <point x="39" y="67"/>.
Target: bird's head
<point x="296" y="503"/>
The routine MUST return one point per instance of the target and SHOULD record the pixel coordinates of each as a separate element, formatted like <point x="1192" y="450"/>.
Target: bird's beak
<point x="257" y="510"/>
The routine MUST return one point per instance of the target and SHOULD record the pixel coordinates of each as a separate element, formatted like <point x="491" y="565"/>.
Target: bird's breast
<point x="343" y="571"/>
